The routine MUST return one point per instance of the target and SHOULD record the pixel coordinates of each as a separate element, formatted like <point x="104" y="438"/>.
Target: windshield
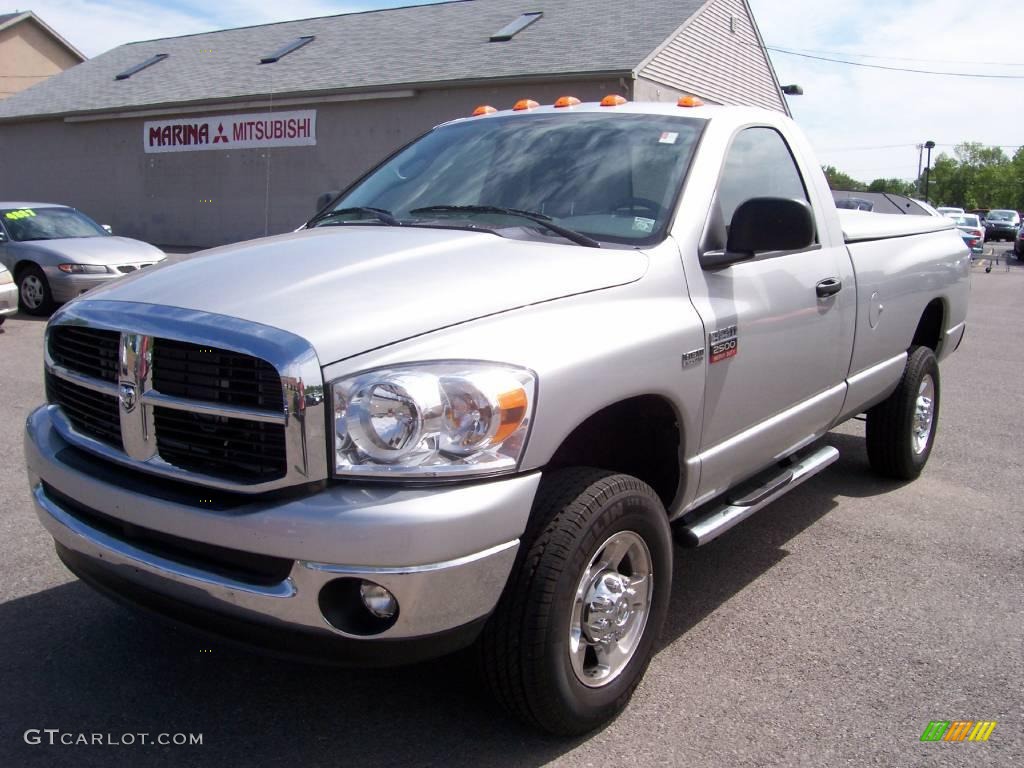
<point x="611" y="177"/>
<point x="48" y="224"/>
<point x="1000" y="215"/>
<point x="968" y="220"/>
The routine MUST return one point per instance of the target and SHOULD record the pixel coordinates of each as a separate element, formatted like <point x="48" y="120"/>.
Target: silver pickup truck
<point x="475" y="398"/>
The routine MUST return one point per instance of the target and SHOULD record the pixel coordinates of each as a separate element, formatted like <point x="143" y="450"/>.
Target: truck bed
<point x="862" y="226"/>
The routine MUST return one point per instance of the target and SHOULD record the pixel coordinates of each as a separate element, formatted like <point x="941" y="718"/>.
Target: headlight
<point x="82" y="269"/>
<point x="432" y="420"/>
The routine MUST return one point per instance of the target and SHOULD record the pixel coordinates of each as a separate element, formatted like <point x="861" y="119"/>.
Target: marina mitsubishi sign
<point x="251" y="131"/>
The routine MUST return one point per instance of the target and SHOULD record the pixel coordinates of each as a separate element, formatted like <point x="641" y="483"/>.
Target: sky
<point x="867" y="122"/>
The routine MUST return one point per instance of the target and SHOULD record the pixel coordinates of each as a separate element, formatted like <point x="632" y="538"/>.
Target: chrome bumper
<point x="444" y="553"/>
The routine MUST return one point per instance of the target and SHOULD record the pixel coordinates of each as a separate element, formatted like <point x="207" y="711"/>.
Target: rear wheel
<point x="575" y="629"/>
<point x="901" y="429"/>
<point x="34" y="296"/>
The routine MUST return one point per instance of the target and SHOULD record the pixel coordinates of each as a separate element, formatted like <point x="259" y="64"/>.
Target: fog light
<point x="378" y="600"/>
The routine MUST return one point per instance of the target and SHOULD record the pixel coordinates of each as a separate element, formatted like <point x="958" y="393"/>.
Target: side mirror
<point x="3" y="237"/>
<point x="325" y="198"/>
<point x="764" y="224"/>
<point x="107" y="228"/>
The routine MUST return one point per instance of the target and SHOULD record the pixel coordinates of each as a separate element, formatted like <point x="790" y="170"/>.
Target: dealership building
<point x="212" y="138"/>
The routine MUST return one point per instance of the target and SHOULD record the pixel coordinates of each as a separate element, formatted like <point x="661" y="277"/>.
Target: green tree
<point x="839" y="180"/>
<point x="893" y="186"/>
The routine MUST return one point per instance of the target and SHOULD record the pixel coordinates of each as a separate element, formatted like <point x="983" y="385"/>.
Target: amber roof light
<point x="613" y="100"/>
<point x="524" y="104"/>
<point x="690" y="101"/>
<point x="484" y="109"/>
<point x="567" y="101"/>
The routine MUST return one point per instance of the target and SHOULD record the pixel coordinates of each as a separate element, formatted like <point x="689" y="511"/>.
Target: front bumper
<point x="65" y="287"/>
<point x="444" y="553"/>
<point x="8" y="299"/>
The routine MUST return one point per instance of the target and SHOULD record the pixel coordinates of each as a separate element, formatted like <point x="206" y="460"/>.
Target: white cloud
<point x="846" y="106"/>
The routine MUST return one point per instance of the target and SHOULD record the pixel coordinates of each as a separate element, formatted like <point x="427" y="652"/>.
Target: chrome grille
<point x="92" y="413"/>
<point x="239" y="407"/>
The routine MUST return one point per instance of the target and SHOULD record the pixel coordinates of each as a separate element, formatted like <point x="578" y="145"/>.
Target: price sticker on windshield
<point x="668" y="137"/>
<point x="24" y="213"/>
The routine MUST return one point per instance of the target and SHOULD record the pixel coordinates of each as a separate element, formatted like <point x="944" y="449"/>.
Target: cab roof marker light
<point x="613" y="100"/>
<point x="284" y="50"/>
<point x="513" y="28"/>
<point x="139" y="67"/>
<point x="484" y="109"/>
<point x="524" y="104"/>
<point x="567" y="101"/>
<point x="690" y="101"/>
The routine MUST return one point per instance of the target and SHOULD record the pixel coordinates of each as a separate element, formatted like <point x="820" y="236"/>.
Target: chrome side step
<point x="722" y="518"/>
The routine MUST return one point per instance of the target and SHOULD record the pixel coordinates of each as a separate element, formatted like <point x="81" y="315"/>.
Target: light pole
<point x="929" y="145"/>
<point x="793" y="90"/>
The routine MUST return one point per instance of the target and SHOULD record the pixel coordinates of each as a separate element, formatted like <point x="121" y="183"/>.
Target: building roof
<point x="376" y="50"/>
<point x="10" y="19"/>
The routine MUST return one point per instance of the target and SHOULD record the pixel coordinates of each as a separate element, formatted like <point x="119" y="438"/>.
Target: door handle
<point x="829" y="287"/>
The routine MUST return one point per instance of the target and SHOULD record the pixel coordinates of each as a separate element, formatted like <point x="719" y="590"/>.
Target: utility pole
<point x="920" y="155"/>
<point x="929" y="145"/>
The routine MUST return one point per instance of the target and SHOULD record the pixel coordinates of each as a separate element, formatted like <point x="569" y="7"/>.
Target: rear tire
<point x="34" y="296"/>
<point x="571" y="638"/>
<point x="901" y="429"/>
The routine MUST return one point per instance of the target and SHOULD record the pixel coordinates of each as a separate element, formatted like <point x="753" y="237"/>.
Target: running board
<point x="724" y="517"/>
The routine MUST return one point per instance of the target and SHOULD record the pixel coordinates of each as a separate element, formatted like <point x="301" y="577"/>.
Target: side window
<point x="759" y="164"/>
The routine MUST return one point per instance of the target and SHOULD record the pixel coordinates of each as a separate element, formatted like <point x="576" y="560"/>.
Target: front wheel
<point x="575" y="628"/>
<point x="34" y="296"/>
<point x="901" y="429"/>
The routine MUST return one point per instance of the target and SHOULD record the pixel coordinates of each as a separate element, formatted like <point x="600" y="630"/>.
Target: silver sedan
<point x="56" y="253"/>
<point x="8" y="294"/>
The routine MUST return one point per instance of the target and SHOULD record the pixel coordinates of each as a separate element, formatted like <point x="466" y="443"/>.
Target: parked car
<point x="1001" y="224"/>
<point x="8" y="294"/>
<point x="471" y="399"/>
<point x="57" y="253"/>
<point x="949" y="212"/>
<point x="973" y="232"/>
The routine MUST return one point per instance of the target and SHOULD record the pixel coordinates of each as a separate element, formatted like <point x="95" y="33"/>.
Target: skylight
<point x="139" y="67"/>
<point x="283" y="51"/>
<point x="514" y="28"/>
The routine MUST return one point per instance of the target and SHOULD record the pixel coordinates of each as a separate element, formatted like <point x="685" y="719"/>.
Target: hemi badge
<point x="693" y="358"/>
<point x="723" y="344"/>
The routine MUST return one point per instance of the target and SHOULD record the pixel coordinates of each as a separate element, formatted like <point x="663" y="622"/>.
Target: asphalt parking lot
<point x="828" y="630"/>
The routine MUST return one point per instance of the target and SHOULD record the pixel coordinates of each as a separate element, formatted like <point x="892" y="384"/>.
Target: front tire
<point x="901" y="429"/>
<point x="575" y="628"/>
<point x="34" y="295"/>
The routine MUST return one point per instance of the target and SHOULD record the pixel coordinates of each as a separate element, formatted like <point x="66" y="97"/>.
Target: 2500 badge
<point x="724" y="344"/>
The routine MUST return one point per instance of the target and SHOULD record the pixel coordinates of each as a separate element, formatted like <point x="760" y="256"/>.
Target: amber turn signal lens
<point x="614" y="100"/>
<point x="513" y="407"/>
<point x="567" y="101"/>
<point x="524" y="104"/>
<point x="690" y="101"/>
<point x="484" y="110"/>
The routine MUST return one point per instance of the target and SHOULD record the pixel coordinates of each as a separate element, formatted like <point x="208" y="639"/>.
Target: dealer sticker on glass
<point x="640" y="224"/>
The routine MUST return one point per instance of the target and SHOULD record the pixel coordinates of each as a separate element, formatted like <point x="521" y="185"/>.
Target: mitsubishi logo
<point x="127" y="397"/>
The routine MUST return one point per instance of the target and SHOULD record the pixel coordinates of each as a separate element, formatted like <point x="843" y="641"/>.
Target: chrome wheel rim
<point x="924" y="414"/>
<point x="610" y="609"/>
<point x="32" y="291"/>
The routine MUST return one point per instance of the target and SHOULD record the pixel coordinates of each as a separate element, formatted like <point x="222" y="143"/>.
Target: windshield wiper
<point x="380" y="214"/>
<point x="541" y="219"/>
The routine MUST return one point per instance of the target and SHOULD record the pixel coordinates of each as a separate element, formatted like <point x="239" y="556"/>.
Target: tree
<point x="839" y="180"/>
<point x="893" y="186"/>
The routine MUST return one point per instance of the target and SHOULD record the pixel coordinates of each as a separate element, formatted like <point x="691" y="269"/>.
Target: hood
<point x="350" y="289"/>
<point x="91" y="250"/>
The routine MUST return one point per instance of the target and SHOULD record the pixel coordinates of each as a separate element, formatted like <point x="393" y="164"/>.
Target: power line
<point x="894" y="69"/>
<point x="787" y="49"/>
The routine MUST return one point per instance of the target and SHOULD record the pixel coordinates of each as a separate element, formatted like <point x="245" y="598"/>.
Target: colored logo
<point x="220" y="135"/>
<point x="958" y="730"/>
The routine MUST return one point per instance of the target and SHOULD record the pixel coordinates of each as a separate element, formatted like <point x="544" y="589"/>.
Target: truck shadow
<point x="75" y="662"/>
